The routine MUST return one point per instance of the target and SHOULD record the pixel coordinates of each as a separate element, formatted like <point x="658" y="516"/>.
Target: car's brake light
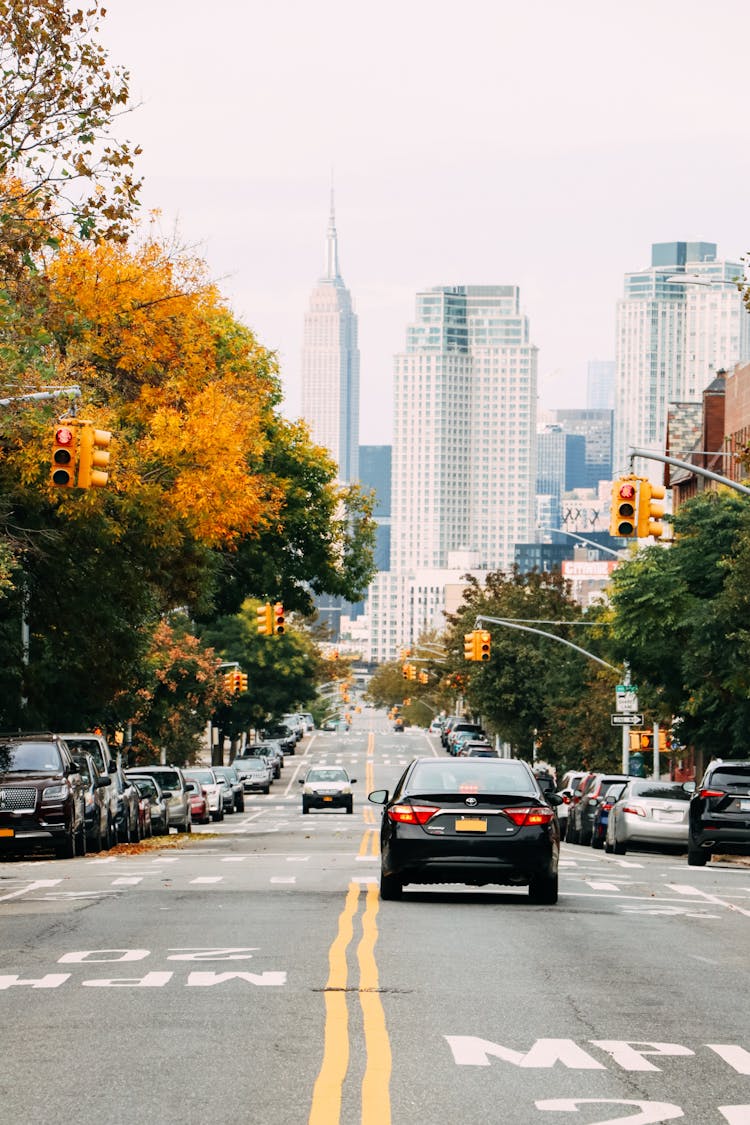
<point x="533" y="815"/>
<point x="636" y="810"/>
<point x="703" y="793"/>
<point x="606" y="806"/>
<point x="566" y="799"/>
<point x="411" y="814"/>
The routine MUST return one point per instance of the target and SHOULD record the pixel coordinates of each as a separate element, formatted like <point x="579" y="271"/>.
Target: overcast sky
<point x="528" y="142"/>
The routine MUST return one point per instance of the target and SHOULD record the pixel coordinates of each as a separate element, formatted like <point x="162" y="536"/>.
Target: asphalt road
<point x="254" y="976"/>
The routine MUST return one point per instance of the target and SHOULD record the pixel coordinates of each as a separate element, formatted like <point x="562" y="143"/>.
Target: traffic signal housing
<point x="93" y="456"/>
<point x="483" y="644"/>
<point x="241" y="681"/>
<point x="278" y="618"/>
<point x="624" y="505"/>
<point x="64" y="455"/>
<point x="469" y="646"/>
<point x="650" y="510"/>
<point x="265" y="619"/>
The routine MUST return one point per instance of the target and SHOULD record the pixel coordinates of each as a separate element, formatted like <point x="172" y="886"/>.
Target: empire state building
<point x="330" y="365"/>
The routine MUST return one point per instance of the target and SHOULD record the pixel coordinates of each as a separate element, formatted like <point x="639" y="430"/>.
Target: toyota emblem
<point x="471" y="801"/>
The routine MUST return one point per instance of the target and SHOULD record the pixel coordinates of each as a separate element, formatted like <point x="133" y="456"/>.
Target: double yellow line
<point x="375" y="1093"/>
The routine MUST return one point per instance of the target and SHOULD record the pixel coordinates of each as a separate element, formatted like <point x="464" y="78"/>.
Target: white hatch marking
<point x="35" y="886"/>
<point x="283" y="879"/>
<point x="596" y="886"/>
<point x="208" y="879"/>
<point x="127" y="881"/>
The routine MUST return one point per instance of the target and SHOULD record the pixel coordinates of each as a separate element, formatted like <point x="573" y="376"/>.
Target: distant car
<point x="435" y="727"/>
<point x="327" y="787"/>
<point x="335" y="725"/>
<point x="465" y="728"/>
<point x="150" y="788"/>
<point x="98" y="830"/>
<point x="587" y="798"/>
<point x="214" y="789"/>
<point x="282" y="734"/>
<point x="296" y="723"/>
<point x="478" y="750"/>
<point x="256" y="774"/>
<point x="398" y="725"/>
<point x="238" y="792"/>
<point x="648" y="812"/>
<point x="601" y="816"/>
<point x="172" y="782"/>
<point x="144" y="812"/>
<point x="719" y="813"/>
<point x="272" y="750"/>
<point x="472" y="821"/>
<point x="199" y="811"/>
<point x="127" y="821"/>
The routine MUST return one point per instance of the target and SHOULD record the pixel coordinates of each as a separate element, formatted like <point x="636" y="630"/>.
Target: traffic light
<point x="622" y="522"/>
<point x="93" y="456"/>
<point x="650" y="513"/>
<point x="423" y="677"/>
<point x="278" y="618"/>
<point x="228" y="680"/>
<point x="64" y="455"/>
<point x="412" y="671"/>
<point x="265" y="619"/>
<point x="241" y="682"/>
<point x="646" y="741"/>
<point x="469" y="648"/>
<point x="483" y="644"/>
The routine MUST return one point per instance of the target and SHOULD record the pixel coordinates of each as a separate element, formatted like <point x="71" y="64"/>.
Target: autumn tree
<point x="59" y="95"/>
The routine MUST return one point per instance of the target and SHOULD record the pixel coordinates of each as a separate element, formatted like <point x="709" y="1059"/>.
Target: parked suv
<point x="719" y="817"/>
<point x="582" y="813"/>
<point x="42" y="795"/>
<point x="173" y="787"/>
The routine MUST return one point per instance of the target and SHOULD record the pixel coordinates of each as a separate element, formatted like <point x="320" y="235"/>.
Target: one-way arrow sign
<point x="626" y="720"/>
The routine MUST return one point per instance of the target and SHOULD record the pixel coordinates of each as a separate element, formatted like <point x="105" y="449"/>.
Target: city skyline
<point x="589" y="169"/>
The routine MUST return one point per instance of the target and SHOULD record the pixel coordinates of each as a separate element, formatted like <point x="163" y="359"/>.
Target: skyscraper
<point x="464" y="456"/>
<point x="330" y="364"/>
<point x="464" y="452"/>
<point x="671" y="340"/>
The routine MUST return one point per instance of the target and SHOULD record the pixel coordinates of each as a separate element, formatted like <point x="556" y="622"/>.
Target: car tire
<point x="619" y="848"/>
<point x="267" y="789"/>
<point x="97" y="843"/>
<point x="305" y="807"/>
<point x="391" y="887"/>
<point x="350" y="806"/>
<point x="543" y="890"/>
<point x="572" y="835"/>
<point x="66" y="848"/>
<point x="697" y="857"/>
<point x="608" y="847"/>
<point x="597" y="842"/>
<point x="216" y="816"/>
<point x="240" y="804"/>
<point x="584" y="838"/>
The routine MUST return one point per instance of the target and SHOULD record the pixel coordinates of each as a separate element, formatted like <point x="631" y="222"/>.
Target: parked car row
<point x="616" y="812"/>
<point x="67" y="792"/>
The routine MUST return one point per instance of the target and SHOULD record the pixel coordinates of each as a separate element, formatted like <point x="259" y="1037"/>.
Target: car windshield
<point x="168" y="779"/>
<point x="204" y="776"/>
<point x="30" y="757"/>
<point x="252" y="764"/>
<point x="327" y="775"/>
<point x="469" y="776"/>
<point x="146" y="786"/>
<point x="731" y="778"/>
<point x="653" y="790"/>
<point x="228" y="772"/>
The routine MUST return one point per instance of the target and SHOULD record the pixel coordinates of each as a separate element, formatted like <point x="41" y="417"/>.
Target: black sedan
<point x="469" y="820"/>
<point x="719" y="816"/>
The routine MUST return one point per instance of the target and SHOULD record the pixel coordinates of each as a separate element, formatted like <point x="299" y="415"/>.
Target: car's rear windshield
<point x="30" y="757"/>
<point x="327" y="775"/>
<point x="731" y="776"/>
<point x="651" y="789"/>
<point x="168" y="779"/>
<point x="471" y="776"/>
<point x="204" y="776"/>
<point x="147" y="785"/>
<point x="252" y="763"/>
<point x="90" y="746"/>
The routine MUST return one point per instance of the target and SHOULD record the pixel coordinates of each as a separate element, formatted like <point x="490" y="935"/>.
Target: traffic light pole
<point x="649" y="455"/>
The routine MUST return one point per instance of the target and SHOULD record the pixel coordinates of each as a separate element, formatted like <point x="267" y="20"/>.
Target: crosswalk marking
<point x="600" y="886"/>
<point x="283" y="879"/>
<point x="208" y="879"/>
<point x="127" y="881"/>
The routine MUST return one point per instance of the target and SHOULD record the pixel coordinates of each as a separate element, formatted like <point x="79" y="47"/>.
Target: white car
<point x="327" y="787"/>
<point x="214" y="790"/>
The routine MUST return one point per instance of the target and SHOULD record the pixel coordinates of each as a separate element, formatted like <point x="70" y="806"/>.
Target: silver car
<point x="256" y="774"/>
<point x="648" y="812"/>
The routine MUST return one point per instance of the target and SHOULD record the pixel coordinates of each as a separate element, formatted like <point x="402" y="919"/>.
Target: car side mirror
<point x="102" y="781"/>
<point x="301" y="781"/>
<point x="378" y="796"/>
<point x="167" y="793"/>
<point x="352" y="781"/>
<point x="689" y="786"/>
<point x="553" y="799"/>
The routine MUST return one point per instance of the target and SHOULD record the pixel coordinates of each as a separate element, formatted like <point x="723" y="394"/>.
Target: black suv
<point x="719" y="817"/>
<point x="42" y="796"/>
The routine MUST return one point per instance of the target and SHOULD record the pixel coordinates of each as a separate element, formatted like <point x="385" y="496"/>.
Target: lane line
<point x="37" y="885"/>
<point x="703" y="896"/>
<point x="326" y="1100"/>
<point x="376" y="1097"/>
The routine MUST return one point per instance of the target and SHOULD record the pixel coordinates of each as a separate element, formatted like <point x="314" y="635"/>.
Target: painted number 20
<point x="647" y="1113"/>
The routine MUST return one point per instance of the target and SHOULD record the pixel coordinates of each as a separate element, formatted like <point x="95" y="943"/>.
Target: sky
<point x="527" y="142"/>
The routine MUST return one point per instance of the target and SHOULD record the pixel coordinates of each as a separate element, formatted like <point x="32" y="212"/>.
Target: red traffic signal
<point x="623" y="514"/>
<point x="278" y="618"/>
<point x="64" y="456"/>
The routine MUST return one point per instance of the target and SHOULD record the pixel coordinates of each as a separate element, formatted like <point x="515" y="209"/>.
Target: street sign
<point x="626" y="698"/>
<point x="626" y="720"/>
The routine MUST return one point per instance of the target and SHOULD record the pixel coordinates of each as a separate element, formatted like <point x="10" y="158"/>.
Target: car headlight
<point x="55" y="792"/>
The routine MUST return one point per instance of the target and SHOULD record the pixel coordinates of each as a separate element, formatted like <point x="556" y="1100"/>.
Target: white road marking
<point x="297" y="858"/>
<point x="283" y="879"/>
<point x="166" y="859"/>
<point x="208" y="879"/>
<point x="233" y="859"/>
<point x="127" y="881"/>
<point x="625" y="863"/>
<point x="363" y="879"/>
<point x="367" y="858"/>
<point x="109" y="859"/>
<point x="35" y="886"/>
<point x="706" y="897"/>
<point x="596" y="886"/>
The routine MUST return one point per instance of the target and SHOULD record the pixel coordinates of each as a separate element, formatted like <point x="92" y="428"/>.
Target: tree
<point x="58" y="98"/>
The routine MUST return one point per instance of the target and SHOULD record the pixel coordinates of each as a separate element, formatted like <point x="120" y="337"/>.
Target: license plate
<point x="328" y="798"/>
<point x="7" y="831"/>
<point x="667" y="814"/>
<point x="471" y="825"/>
<point x="744" y="806"/>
